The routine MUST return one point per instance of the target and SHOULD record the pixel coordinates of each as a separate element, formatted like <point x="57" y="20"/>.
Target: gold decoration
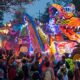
<point x="42" y="35"/>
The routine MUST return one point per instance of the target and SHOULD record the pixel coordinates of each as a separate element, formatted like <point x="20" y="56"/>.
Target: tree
<point x="77" y="5"/>
<point x="1" y="15"/>
<point x="5" y="6"/>
<point x="1" y="18"/>
<point x="19" y="15"/>
<point x="45" y="17"/>
<point x="2" y="8"/>
<point x="15" y="1"/>
<point x="62" y="2"/>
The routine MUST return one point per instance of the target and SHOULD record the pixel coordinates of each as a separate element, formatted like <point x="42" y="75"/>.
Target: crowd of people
<point x="35" y="67"/>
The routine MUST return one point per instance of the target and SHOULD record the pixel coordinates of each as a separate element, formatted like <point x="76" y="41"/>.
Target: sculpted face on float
<point x="52" y="25"/>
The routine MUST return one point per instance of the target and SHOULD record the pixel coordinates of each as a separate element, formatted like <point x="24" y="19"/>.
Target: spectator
<point x="35" y="75"/>
<point x="77" y="71"/>
<point x="62" y="72"/>
<point x="49" y="73"/>
<point x="70" y="75"/>
<point x="25" y="69"/>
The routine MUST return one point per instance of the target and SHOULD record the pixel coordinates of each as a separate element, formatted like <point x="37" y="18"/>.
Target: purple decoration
<point x="12" y="32"/>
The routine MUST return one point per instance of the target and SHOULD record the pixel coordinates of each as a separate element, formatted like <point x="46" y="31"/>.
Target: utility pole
<point x="39" y="14"/>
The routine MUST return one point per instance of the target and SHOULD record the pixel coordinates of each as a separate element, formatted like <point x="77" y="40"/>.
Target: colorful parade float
<point x="65" y="28"/>
<point x="61" y="35"/>
<point x="21" y="37"/>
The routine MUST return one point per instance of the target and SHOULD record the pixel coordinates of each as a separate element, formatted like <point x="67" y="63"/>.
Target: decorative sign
<point x="4" y="31"/>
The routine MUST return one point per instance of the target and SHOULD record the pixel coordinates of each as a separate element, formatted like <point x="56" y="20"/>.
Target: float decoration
<point x="42" y="35"/>
<point x="66" y="20"/>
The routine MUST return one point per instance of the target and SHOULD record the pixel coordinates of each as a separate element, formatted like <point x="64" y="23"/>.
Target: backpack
<point x="48" y="75"/>
<point x="35" y="75"/>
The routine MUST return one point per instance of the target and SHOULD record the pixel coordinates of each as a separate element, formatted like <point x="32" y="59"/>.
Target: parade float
<point x="64" y="23"/>
<point x="28" y="35"/>
<point x="20" y="37"/>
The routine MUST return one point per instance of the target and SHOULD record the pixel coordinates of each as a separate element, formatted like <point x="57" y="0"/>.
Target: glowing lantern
<point x="9" y="24"/>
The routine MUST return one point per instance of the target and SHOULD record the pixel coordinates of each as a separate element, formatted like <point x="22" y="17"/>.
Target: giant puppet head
<point x="66" y="20"/>
<point x="56" y="9"/>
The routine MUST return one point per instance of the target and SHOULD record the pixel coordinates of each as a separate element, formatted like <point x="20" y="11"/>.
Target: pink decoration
<point x="34" y="38"/>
